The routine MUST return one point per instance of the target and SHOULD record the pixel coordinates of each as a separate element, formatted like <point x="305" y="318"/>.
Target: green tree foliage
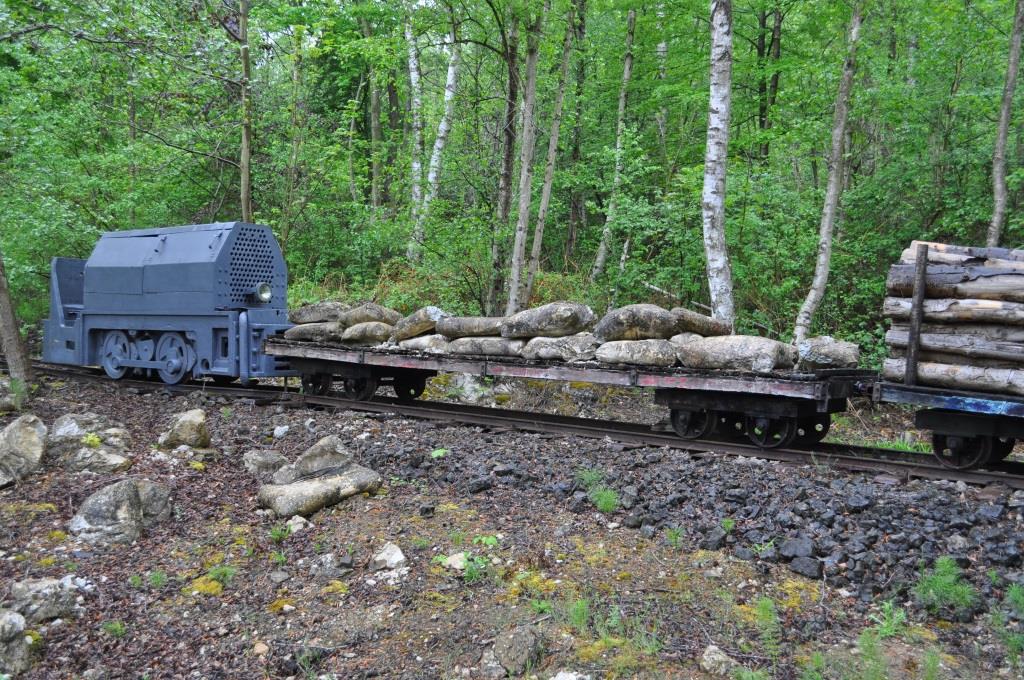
<point x="118" y="115"/>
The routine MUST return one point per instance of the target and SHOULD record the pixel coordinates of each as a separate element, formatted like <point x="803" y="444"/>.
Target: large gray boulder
<point x="43" y="599"/>
<point x="88" y="442"/>
<point x="189" y="429"/>
<point x="366" y="333"/>
<point x="119" y="513"/>
<point x="419" y="322"/>
<point x="22" y="444"/>
<point x="262" y="464"/>
<point x="328" y="454"/>
<point x="648" y="352"/>
<point x="747" y="353"/>
<point x="323" y="331"/>
<point x="469" y="326"/>
<point x="824" y="351"/>
<point x="569" y="348"/>
<point x="636" y="322"/>
<point x="431" y="344"/>
<point x="327" y="310"/>
<point x="307" y="496"/>
<point x="14" y="647"/>
<point x="552" y="320"/>
<point x="486" y="346"/>
<point x="370" y="311"/>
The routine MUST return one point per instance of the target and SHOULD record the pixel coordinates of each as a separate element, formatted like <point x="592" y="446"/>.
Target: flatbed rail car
<point x="969" y="429"/>
<point x="773" y="410"/>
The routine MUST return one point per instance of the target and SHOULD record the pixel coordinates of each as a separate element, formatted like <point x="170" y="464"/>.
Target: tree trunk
<point x="577" y="205"/>
<point x="245" y="155"/>
<point x="968" y="346"/>
<point x="525" y="164"/>
<point x="376" y="133"/>
<point x="508" y="157"/>
<point x="412" y="251"/>
<point x="944" y="253"/>
<point x="19" y="367"/>
<point x="835" y="186"/>
<point x="997" y="380"/>
<point x="661" y="53"/>
<point x="768" y="49"/>
<point x="715" y="157"/>
<point x="991" y="333"/>
<point x="958" y="311"/>
<point x="945" y="281"/>
<point x="549" y="166"/>
<point x="292" y="173"/>
<point x="995" y="228"/>
<point x="444" y="126"/>
<point x="620" y="131"/>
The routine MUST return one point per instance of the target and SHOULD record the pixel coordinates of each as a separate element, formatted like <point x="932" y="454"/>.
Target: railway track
<point x="900" y="464"/>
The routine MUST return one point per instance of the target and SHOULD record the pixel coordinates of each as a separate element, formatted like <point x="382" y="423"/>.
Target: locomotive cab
<point x="184" y="302"/>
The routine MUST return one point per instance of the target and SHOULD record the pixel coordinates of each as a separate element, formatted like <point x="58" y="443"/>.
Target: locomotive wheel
<point x="731" y="424"/>
<point x="115" y="349"/>
<point x="813" y="429"/>
<point x="961" y="453"/>
<point x="172" y="351"/>
<point x="360" y="389"/>
<point x="1001" y="448"/>
<point x="771" y="433"/>
<point x="408" y="388"/>
<point x="693" y="424"/>
<point x="317" y="384"/>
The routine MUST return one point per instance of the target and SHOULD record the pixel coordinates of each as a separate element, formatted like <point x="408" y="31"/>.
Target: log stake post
<point x="916" y="314"/>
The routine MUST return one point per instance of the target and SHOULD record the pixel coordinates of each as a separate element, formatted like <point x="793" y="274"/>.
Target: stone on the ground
<point x="717" y="662"/>
<point x="328" y="452"/>
<point x="519" y="649"/>
<point x="419" y="322"/>
<point x="432" y="344"/>
<point x="486" y="346"/>
<point x="552" y="320"/>
<point x="469" y="326"/>
<point x="824" y="351"/>
<point x="322" y="331"/>
<point x="88" y="442"/>
<point x="22" y="444"/>
<point x="569" y="348"/>
<point x="638" y="352"/>
<point x="569" y="675"/>
<point x="390" y="556"/>
<point x="636" y="322"/>
<point x="281" y="430"/>
<point x="307" y="496"/>
<point x="318" y="312"/>
<point x="297" y="524"/>
<point x="43" y="599"/>
<point x="8" y="401"/>
<point x="806" y="566"/>
<point x="262" y="463"/>
<point x="370" y="312"/>
<point x="15" y="655"/>
<point x="456" y="561"/>
<point x="738" y="353"/>
<point x="366" y="333"/>
<point x="188" y="428"/>
<point x="118" y="513"/>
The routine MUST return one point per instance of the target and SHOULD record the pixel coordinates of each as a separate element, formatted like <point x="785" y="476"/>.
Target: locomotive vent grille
<point x="252" y="263"/>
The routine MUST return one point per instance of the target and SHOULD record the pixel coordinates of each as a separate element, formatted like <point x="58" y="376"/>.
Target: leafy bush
<point x="942" y="588"/>
<point x="604" y="499"/>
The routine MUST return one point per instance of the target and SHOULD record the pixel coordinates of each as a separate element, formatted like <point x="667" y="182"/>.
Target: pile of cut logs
<point x="971" y="333"/>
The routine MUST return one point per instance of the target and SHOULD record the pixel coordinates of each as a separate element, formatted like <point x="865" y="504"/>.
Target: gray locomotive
<point x="193" y="301"/>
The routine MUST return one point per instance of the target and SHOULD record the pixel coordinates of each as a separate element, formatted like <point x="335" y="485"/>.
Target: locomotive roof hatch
<point x="194" y="269"/>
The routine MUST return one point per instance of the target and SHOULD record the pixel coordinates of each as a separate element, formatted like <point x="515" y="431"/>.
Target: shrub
<point x="942" y="588"/>
<point x="892" y="622"/>
<point x="222" y="574"/>
<point x="279" y="533"/>
<point x="604" y="499"/>
<point x="115" y="629"/>
<point x="588" y="478"/>
<point x="157" y="579"/>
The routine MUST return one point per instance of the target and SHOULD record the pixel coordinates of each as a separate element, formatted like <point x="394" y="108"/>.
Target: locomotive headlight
<point x="262" y="292"/>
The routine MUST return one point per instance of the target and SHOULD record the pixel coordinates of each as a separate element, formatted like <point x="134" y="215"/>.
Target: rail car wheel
<point x="731" y="424"/>
<point x="693" y="424"/>
<point x="1001" y="448"/>
<point x="360" y="389"/>
<point x="317" y="383"/>
<point x="771" y="433"/>
<point x="408" y="388"/>
<point x="172" y="351"/>
<point x="813" y="429"/>
<point x="961" y="453"/>
<point x="115" y="350"/>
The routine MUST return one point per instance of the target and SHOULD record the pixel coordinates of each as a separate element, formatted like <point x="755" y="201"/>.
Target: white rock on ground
<point x="717" y="662"/>
<point x="22" y="444"/>
<point x="297" y="524"/>
<point x="329" y="452"/>
<point x="388" y="557"/>
<point x="570" y="675"/>
<point x="118" y="513"/>
<point x="8" y="402"/>
<point x="188" y="428"/>
<point x="456" y="561"/>
<point x="43" y="599"/>
<point x="262" y="463"/>
<point x="88" y="442"/>
<point x="14" y="647"/>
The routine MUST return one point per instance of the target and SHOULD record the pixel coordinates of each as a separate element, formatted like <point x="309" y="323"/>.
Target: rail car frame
<point x="773" y="410"/>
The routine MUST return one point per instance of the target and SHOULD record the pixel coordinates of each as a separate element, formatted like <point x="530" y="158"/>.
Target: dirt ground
<point x="606" y="600"/>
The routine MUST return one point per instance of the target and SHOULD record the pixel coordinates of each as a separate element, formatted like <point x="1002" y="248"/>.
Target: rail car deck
<point x="772" y="409"/>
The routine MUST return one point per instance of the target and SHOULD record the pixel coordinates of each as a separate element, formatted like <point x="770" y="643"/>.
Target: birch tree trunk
<point x="549" y="165"/>
<point x="292" y="173"/>
<point x="525" y="164"/>
<point x="444" y="126"/>
<point x="18" y="364"/>
<point x="245" y="154"/>
<point x="577" y="206"/>
<point x="620" y="130"/>
<point x="412" y="251"/>
<point x="834" y="189"/>
<point x="510" y="47"/>
<point x="661" y="52"/>
<point x="715" y="157"/>
<point x="995" y="228"/>
<point x="376" y="133"/>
